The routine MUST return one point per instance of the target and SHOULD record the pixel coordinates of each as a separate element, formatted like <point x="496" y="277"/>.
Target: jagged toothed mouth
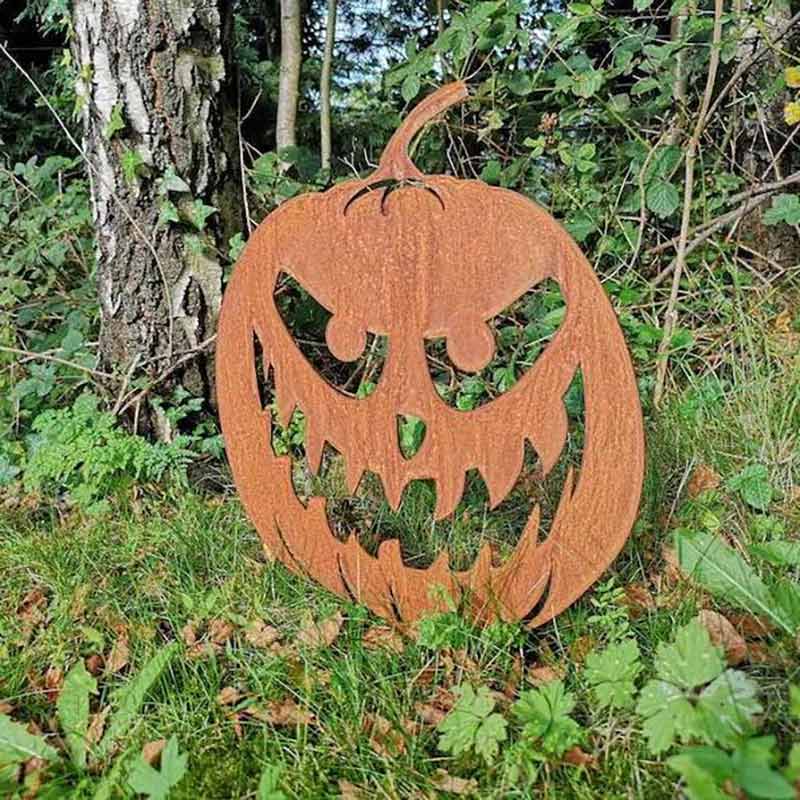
<point x="356" y="504"/>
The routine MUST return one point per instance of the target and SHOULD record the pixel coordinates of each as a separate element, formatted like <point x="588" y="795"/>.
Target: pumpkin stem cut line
<point x="390" y="185"/>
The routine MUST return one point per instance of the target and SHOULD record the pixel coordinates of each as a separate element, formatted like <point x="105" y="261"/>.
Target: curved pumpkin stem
<point x="395" y="163"/>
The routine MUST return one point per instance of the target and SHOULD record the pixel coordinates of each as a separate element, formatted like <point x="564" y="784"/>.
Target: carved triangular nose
<point x="410" y="435"/>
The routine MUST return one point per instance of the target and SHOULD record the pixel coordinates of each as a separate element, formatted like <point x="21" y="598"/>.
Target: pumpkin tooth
<point x="501" y="475"/>
<point x="449" y="488"/>
<point x="393" y="490"/>
<point x="314" y="442"/>
<point x="285" y="401"/>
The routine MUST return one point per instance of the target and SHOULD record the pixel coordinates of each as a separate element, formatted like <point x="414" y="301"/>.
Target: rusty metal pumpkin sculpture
<point x="436" y="257"/>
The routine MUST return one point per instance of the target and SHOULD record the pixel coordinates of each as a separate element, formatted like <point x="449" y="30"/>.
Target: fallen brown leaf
<point x="538" y="675"/>
<point x="152" y="750"/>
<point x="320" y="634"/>
<point x="514" y="678"/>
<point x="724" y="635"/>
<point x="450" y="783"/>
<point x="119" y="656"/>
<point x="259" y="634"/>
<point x="77" y="607"/>
<point x="6" y="708"/>
<point x="53" y="681"/>
<point x="349" y="791"/>
<point x="228" y="696"/>
<point x="751" y="626"/>
<point x="702" y="479"/>
<point x="203" y="650"/>
<point x="95" y="663"/>
<point x="581" y="648"/>
<point x="280" y="713"/>
<point x="219" y="631"/>
<point x="638" y="600"/>
<point x="384" y="738"/>
<point x="579" y="758"/>
<point x="383" y="637"/>
<point x="189" y="634"/>
<point x="97" y="724"/>
<point x="437" y="707"/>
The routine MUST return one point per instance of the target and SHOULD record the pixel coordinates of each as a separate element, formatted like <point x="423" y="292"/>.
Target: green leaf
<point x="642" y="5"/>
<point x="692" y="660"/>
<point x="132" y="164"/>
<point x="754" y="486"/>
<point x="668" y="715"/>
<point x="270" y="782"/>
<point x="471" y="725"/>
<point x="156" y="783"/>
<point x="701" y="784"/>
<point x="612" y="674"/>
<point x="785" y="208"/>
<point x="410" y="88"/>
<point x="588" y="83"/>
<point x="198" y="212"/>
<point x="662" y="198"/>
<point x="130" y="698"/>
<point x="73" y="711"/>
<point x="781" y="553"/>
<point x="715" y="566"/>
<point x="115" y="123"/>
<point x="545" y="714"/>
<point x="17" y="745"/>
<point x="173" y="183"/>
<point x="728" y="706"/>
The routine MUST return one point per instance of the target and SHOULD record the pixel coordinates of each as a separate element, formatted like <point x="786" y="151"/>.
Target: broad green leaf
<point x="410" y="88"/>
<point x="545" y="714"/>
<point x="73" y="711"/>
<point x="156" y="783"/>
<point x="612" y="674"/>
<point x="270" y="783"/>
<point x="728" y="706"/>
<point x="471" y="725"/>
<point x="692" y="660"/>
<point x="17" y="745"/>
<point x="705" y="558"/>
<point x="780" y="553"/>
<point x="130" y="698"/>
<point x="754" y="486"/>
<point x="662" y="198"/>
<point x="785" y="207"/>
<point x="668" y="716"/>
<point x="700" y="783"/>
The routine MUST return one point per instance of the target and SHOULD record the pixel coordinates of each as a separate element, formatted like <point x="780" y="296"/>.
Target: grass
<point x="153" y="565"/>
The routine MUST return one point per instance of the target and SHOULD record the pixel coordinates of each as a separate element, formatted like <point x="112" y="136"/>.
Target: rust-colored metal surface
<point x="433" y="257"/>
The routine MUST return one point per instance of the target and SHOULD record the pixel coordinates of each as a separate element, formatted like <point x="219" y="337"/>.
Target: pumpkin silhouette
<point x="415" y="257"/>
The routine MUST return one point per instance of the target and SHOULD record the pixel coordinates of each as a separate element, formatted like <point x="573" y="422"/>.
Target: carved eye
<point x="480" y="360"/>
<point x="349" y="358"/>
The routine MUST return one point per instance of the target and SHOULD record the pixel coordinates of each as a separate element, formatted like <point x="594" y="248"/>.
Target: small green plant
<point x="473" y="726"/>
<point x="84" y="451"/>
<point x="545" y="716"/>
<point x="694" y="697"/>
<point x="612" y="674"/>
<point x="157" y="783"/>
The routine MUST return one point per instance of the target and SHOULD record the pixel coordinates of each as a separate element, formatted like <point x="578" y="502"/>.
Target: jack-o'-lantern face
<point x="433" y="258"/>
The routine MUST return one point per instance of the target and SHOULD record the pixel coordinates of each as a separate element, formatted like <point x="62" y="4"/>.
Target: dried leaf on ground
<point x="315" y="635"/>
<point x="97" y="725"/>
<point x="228" y="696"/>
<point x="383" y="637"/>
<point x="95" y="664"/>
<point x="543" y="673"/>
<point x="280" y="713"/>
<point x="702" y="479"/>
<point x="219" y="631"/>
<point x="437" y="707"/>
<point x="446" y="782"/>
<point x="580" y="758"/>
<point x="189" y="634"/>
<point x="53" y="681"/>
<point x="349" y="791"/>
<point x="639" y="600"/>
<point x="119" y="656"/>
<point x="259" y="634"/>
<point x="581" y="648"/>
<point x="724" y="635"/>
<point x="384" y="738"/>
<point x="751" y="626"/>
<point x="152" y="750"/>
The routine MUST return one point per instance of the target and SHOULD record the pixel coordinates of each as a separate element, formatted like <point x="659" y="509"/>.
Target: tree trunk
<point x="325" y="87"/>
<point x="289" y="83"/>
<point x="157" y="134"/>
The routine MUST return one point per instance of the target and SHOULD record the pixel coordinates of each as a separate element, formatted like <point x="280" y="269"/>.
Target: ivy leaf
<point x="198" y="212"/>
<point x="471" y="725"/>
<point x="753" y="483"/>
<point x="612" y="674"/>
<point x="545" y="714"/>
<point x="73" y="711"/>
<point x="173" y="183"/>
<point x="115" y="122"/>
<point x="156" y="783"/>
<point x="662" y="198"/>
<point x="785" y="207"/>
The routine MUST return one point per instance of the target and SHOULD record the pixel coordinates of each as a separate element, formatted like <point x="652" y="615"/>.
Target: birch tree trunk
<point x="325" y="87"/>
<point x="157" y="135"/>
<point x="289" y="79"/>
